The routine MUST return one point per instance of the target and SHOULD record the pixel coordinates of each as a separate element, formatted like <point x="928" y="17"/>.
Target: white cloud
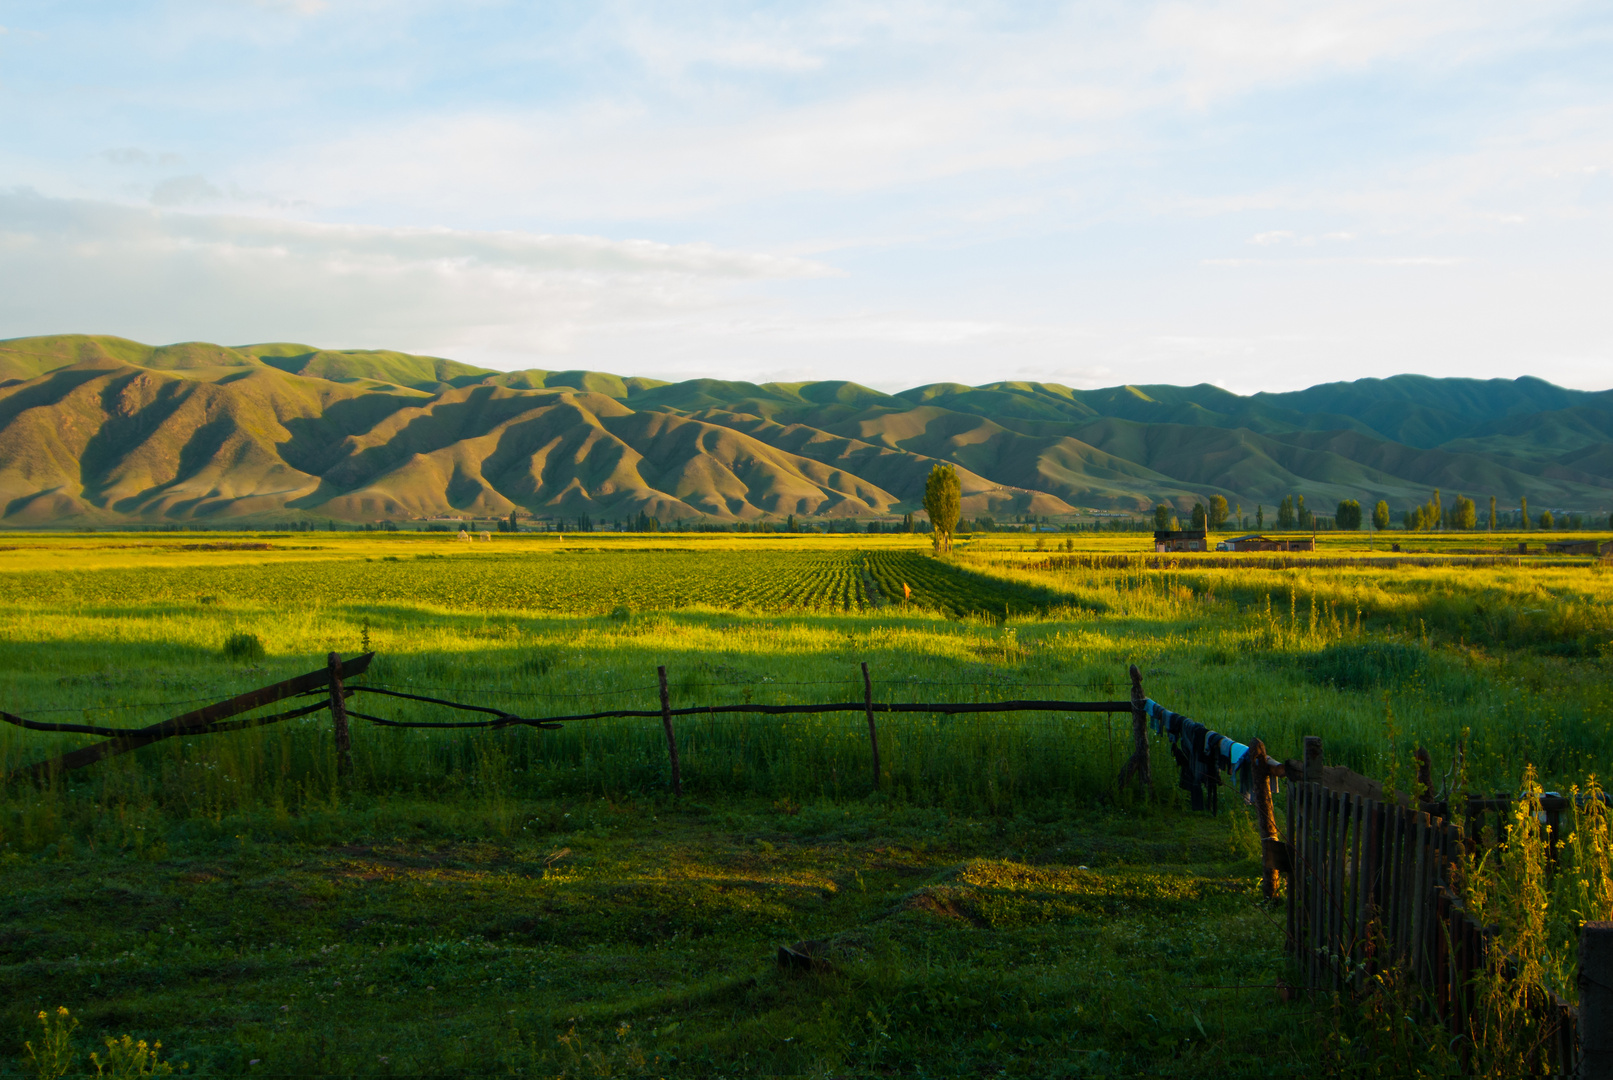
<point x="1362" y="260"/>
<point x="164" y="275"/>
<point x="184" y="191"/>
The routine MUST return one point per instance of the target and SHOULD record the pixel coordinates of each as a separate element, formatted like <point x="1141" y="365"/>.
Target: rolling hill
<point x="101" y="430"/>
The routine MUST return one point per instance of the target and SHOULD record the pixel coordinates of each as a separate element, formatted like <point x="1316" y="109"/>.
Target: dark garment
<point x="1198" y="752"/>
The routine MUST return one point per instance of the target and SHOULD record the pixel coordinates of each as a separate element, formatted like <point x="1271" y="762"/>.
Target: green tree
<point x="943" y="496"/>
<point x="1285" y="513"/>
<point x="1490" y="524"/>
<point x="1348" y="515"/>
<point x="1199" y="516"/>
<point x="1380" y="516"/>
<point x="1466" y="514"/>
<point x="1523" y="512"/>
<point x="1162" y="517"/>
<point x="1547" y="521"/>
<point x="1304" y="516"/>
<point x="1260" y="516"/>
<point x="1218" y="511"/>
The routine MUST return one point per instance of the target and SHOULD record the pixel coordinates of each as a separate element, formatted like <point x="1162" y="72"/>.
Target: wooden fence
<point x="1371" y="884"/>
<point x="333" y="687"/>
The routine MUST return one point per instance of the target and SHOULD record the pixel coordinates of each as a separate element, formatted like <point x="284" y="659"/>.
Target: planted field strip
<point x="563" y="581"/>
<point x="472" y="578"/>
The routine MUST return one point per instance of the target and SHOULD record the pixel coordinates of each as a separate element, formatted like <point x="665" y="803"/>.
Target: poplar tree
<point x="943" y="496"/>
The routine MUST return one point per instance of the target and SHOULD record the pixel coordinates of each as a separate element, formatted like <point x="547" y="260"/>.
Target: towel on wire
<point x="1215" y="749"/>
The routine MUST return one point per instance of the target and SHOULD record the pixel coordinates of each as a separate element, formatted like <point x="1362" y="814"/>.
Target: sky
<point x="1259" y="195"/>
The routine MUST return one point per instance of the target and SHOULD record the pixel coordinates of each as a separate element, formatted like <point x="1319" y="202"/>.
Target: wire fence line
<point x="336" y="684"/>
<point x="556" y="695"/>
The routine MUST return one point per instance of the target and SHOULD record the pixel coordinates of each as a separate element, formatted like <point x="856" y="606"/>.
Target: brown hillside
<point x="102" y="430"/>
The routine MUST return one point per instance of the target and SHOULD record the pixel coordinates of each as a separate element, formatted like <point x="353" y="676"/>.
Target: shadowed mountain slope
<point x="98" y="429"/>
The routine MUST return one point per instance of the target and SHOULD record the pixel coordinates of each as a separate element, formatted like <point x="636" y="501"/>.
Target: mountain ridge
<point x="99" y="429"/>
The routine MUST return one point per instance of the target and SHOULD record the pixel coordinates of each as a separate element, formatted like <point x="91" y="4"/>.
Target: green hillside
<point x="98" y="429"/>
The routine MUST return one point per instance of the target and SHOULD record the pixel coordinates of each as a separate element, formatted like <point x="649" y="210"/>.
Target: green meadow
<point x="536" y="902"/>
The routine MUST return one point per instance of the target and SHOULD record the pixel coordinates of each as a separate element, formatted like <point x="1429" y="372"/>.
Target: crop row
<point x="943" y="587"/>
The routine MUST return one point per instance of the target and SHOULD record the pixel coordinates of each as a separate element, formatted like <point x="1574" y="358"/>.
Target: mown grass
<point x="994" y="904"/>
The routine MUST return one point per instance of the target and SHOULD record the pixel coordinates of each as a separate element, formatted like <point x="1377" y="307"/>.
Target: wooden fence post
<point x="1266" y="817"/>
<point x="1313" y="759"/>
<point x="1138" y="765"/>
<point x="338" y="712"/>
<point x="1596" y="1001"/>
<point x="1425" y="778"/>
<point x="671" y="739"/>
<point x="873" y="733"/>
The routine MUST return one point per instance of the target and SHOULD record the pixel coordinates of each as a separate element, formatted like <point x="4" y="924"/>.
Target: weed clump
<point x="243" y="647"/>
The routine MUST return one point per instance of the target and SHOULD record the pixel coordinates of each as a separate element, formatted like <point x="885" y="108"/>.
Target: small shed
<point x="1180" y="540"/>
<point x="1255" y="542"/>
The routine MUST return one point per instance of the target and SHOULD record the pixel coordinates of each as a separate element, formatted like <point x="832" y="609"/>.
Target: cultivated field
<point x="535" y="901"/>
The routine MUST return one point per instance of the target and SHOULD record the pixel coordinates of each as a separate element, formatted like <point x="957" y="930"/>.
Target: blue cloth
<point x="1200" y="753"/>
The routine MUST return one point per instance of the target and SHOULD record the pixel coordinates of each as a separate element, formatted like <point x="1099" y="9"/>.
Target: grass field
<point x="535" y="902"/>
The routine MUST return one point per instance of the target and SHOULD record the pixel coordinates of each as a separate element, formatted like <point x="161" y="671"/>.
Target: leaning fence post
<point x="1596" y="1001"/>
<point x="873" y="733"/>
<point x="671" y="739"/>
<point x="338" y="712"/>
<point x="1138" y="764"/>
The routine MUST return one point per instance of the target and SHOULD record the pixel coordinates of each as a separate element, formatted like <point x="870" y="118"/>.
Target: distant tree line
<point x="1462" y="514"/>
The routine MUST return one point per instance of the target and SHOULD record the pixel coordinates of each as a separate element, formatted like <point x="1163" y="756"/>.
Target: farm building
<point x="1265" y="543"/>
<point x="1180" y="540"/>
<point x="1577" y="547"/>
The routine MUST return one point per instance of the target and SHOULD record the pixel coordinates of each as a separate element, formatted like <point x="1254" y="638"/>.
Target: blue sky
<point x="1258" y="195"/>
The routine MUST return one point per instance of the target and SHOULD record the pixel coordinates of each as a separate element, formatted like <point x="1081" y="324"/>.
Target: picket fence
<point x="1371" y="883"/>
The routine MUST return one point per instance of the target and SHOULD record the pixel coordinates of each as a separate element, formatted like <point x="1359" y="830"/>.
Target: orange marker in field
<point x="907" y="594"/>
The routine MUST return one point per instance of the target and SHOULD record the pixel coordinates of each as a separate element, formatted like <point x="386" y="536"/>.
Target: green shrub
<point x="243" y="647"/>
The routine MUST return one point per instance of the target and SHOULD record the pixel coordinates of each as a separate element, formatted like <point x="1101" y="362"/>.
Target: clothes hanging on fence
<point x="1201" y="756"/>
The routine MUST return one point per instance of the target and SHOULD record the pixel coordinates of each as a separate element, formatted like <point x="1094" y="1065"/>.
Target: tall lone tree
<point x="943" y="499"/>
<point x="1348" y="515"/>
<point x="1380" y="516"/>
<point x="1218" y="511"/>
<point x="1199" y="516"/>
<point x="1162" y="517"/>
